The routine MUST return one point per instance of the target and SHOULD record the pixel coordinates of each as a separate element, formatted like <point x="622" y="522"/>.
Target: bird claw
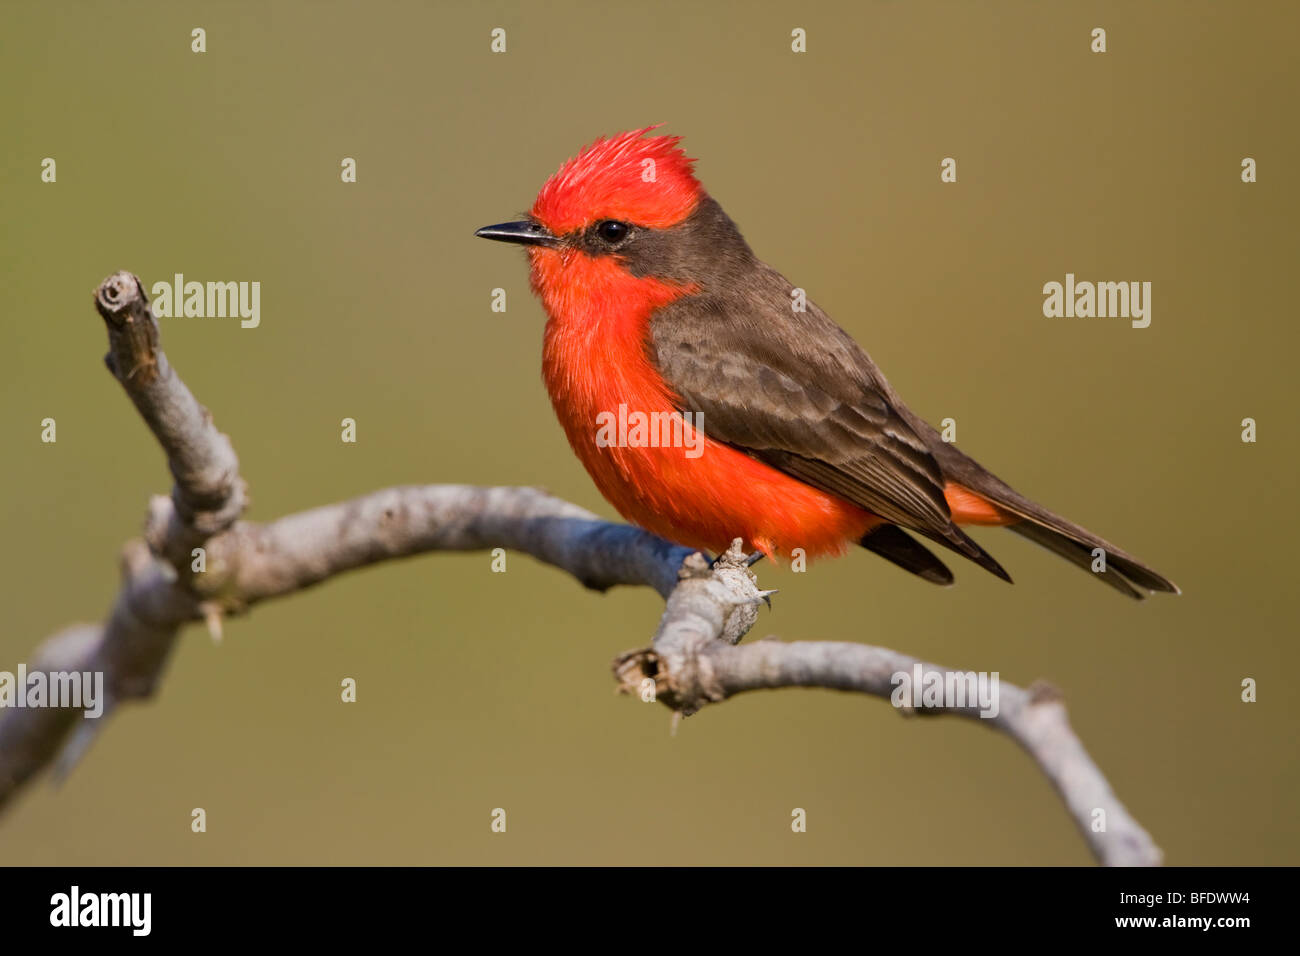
<point x="750" y="560"/>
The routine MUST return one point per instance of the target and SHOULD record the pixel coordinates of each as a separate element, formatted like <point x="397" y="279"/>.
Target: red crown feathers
<point x="646" y="181"/>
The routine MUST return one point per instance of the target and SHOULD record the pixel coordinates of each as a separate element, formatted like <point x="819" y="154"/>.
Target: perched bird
<point x="789" y="436"/>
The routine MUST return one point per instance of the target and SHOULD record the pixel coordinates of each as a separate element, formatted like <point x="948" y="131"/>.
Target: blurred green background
<point x="481" y="690"/>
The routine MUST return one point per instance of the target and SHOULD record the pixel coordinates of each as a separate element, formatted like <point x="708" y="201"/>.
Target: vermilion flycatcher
<point x="658" y="306"/>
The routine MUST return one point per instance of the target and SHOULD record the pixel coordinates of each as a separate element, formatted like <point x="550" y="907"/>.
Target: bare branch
<point x="254" y="562"/>
<point x="244" y="563"/>
<point x="694" y="660"/>
<point x="209" y="495"/>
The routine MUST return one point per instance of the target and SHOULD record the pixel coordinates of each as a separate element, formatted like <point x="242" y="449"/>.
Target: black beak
<point x="525" y="233"/>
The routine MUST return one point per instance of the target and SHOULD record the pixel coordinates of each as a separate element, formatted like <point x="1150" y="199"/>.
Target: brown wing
<point x="793" y="390"/>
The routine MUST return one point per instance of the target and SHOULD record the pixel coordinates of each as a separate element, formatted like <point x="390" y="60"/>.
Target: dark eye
<point x="611" y="230"/>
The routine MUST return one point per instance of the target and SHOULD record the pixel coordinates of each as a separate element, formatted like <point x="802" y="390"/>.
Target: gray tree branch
<point x="694" y="659"/>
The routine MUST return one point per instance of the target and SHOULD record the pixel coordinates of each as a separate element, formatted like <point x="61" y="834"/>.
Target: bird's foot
<point x="750" y="560"/>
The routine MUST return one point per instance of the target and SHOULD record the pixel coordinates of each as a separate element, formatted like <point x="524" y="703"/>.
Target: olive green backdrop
<point x="481" y="690"/>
